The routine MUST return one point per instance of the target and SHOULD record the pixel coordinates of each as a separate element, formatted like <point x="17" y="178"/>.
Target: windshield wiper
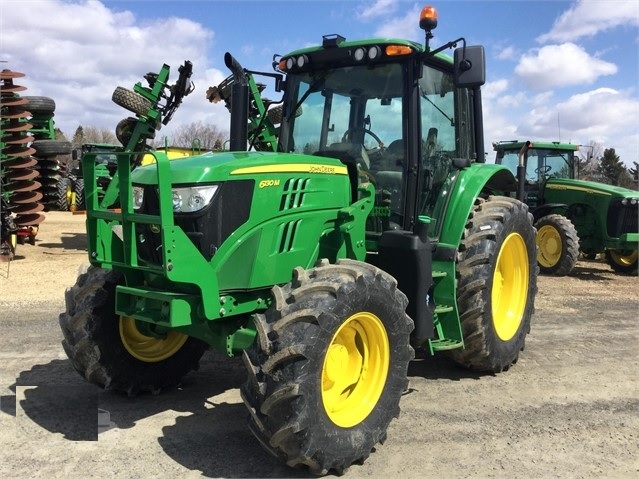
<point x="452" y="122"/>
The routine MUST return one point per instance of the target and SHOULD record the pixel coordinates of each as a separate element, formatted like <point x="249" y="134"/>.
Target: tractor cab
<point x="543" y="162"/>
<point x="393" y="112"/>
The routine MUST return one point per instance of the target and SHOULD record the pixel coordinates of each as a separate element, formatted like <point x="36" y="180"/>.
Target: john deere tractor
<point x="372" y="228"/>
<point x="572" y="215"/>
<point x="71" y="194"/>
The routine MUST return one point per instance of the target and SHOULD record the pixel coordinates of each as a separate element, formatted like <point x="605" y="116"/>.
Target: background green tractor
<point x="71" y="194"/>
<point x="572" y="215"/>
<point x="325" y="261"/>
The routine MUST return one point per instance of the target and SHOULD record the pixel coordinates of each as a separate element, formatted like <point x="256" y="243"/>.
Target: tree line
<point x="603" y="165"/>
<point x="594" y="162"/>
<point x="196" y="134"/>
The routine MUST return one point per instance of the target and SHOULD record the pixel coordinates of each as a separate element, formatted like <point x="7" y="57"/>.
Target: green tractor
<point x="71" y="191"/>
<point x="372" y="228"/>
<point x="572" y="215"/>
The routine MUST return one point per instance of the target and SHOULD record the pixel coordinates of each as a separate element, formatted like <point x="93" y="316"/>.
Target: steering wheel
<point x="350" y="131"/>
<point x="543" y="170"/>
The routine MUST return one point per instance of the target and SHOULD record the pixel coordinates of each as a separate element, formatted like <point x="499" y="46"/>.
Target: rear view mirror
<point x="470" y="66"/>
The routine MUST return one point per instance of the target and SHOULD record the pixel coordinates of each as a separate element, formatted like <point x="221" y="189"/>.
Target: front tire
<point x="497" y="284"/>
<point x="558" y="245"/>
<point x="329" y="366"/>
<point x="622" y="261"/>
<point x="109" y="351"/>
<point x="132" y="101"/>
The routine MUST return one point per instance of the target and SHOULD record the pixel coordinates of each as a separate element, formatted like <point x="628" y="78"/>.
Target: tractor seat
<point x="393" y="157"/>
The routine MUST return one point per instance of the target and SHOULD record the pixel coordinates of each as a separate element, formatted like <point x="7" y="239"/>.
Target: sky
<point x="556" y="70"/>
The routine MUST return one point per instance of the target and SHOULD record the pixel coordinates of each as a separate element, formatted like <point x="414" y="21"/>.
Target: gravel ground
<point x="568" y="408"/>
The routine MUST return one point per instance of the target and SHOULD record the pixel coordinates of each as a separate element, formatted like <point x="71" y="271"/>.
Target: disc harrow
<point x="18" y="173"/>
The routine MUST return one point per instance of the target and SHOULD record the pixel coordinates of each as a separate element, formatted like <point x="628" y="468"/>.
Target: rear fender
<point x="478" y="180"/>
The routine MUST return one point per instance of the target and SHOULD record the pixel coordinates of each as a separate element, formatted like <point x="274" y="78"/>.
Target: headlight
<point x="374" y="52"/>
<point x="192" y="198"/>
<point x="138" y="197"/>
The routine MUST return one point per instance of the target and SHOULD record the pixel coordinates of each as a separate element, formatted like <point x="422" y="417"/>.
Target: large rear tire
<point x="110" y="351"/>
<point x="78" y="189"/>
<point x="622" y="261"/>
<point x="329" y="366"/>
<point x="63" y="194"/>
<point x="558" y="245"/>
<point x="497" y="284"/>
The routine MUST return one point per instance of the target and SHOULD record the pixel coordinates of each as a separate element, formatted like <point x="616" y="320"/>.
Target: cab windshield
<point x="361" y="115"/>
<point x="542" y="163"/>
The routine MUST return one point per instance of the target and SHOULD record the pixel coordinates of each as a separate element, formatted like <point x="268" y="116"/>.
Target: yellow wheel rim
<point x="549" y="243"/>
<point x="147" y="348"/>
<point x="355" y="369"/>
<point x="510" y="287"/>
<point x="72" y="205"/>
<point x="623" y="259"/>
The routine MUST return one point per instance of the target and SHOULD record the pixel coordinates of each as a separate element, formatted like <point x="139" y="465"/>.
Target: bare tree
<point x="589" y="157"/>
<point x="199" y="136"/>
<point x="93" y="134"/>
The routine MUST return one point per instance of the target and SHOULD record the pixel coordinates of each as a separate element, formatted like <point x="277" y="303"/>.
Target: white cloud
<point x="406" y="26"/>
<point x="604" y="115"/>
<point x="77" y="53"/>
<point x="377" y="9"/>
<point x="561" y="65"/>
<point x="498" y="124"/>
<point x="586" y="18"/>
<point x="494" y="89"/>
<point x="506" y="53"/>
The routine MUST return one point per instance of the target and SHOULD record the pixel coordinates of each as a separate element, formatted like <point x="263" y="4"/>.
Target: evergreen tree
<point x="611" y="168"/>
<point x="78" y="137"/>
<point x="629" y="178"/>
<point x="634" y="172"/>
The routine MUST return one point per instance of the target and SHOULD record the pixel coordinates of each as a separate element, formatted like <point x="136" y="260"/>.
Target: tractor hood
<point x="213" y="167"/>
<point x="590" y="187"/>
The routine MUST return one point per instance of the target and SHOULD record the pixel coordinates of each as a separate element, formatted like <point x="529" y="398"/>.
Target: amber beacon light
<point x="428" y="18"/>
<point x="428" y="22"/>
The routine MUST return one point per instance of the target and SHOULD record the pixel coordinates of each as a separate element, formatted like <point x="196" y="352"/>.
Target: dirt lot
<point x="569" y="408"/>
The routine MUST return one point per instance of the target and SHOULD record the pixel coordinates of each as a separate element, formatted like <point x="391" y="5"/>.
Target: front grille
<point x="622" y="218"/>
<point x="207" y="229"/>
